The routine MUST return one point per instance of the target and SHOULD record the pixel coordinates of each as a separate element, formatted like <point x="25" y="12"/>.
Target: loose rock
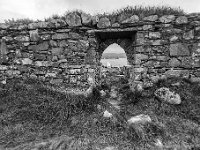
<point x="168" y="96"/>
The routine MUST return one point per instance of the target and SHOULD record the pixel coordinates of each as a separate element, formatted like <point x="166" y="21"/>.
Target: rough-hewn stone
<point x="179" y="49"/>
<point x="60" y="36"/>
<point x="151" y="18"/>
<point x="86" y="19"/>
<point x="104" y="23"/>
<point x="181" y="20"/>
<point x="167" y="18"/>
<point x="73" y="20"/>
<point x="132" y="19"/>
<point x="155" y="47"/>
<point x="34" y="36"/>
<point x="188" y="35"/>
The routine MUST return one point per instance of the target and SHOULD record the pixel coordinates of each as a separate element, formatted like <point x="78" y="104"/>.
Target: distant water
<point x="115" y="62"/>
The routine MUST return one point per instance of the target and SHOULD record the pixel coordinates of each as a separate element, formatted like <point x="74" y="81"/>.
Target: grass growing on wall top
<point x="144" y="11"/>
<point x="141" y="11"/>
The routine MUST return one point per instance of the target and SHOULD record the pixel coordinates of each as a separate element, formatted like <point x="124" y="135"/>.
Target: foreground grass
<point x="29" y="111"/>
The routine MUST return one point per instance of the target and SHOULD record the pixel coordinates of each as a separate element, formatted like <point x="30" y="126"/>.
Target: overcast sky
<point x="39" y="9"/>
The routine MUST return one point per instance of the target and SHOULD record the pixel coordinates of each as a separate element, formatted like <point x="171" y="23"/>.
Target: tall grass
<point x="141" y="11"/>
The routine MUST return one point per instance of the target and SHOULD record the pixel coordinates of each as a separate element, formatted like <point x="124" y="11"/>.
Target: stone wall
<point x="67" y="51"/>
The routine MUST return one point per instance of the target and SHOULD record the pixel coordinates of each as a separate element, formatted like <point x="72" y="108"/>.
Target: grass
<point x="141" y="11"/>
<point x="31" y="112"/>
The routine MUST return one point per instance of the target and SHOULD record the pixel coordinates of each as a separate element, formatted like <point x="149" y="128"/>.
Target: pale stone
<point x="106" y="114"/>
<point x="154" y="35"/>
<point x="188" y="35"/>
<point x="147" y="27"/>
<point x="139" y="119"/>
<point x="115" y="25"/>
<point x="3" y="52"/>
<point x="34" y="35"/>
<point x="21" y="38"/>
<point x="73" y="20"/>
<point x="27" y="61"/>
<point x="181" y="20"/>
<point x="132" y="19"/>
<point x="174" y="62"/>
<point x="179" y="49"/>
<point x="168" y="96"/>
<point x="173" y="38"/>
<point x="167" y="18"/>
<point x="177" y="73"/>
<point x="3" y="67"/>
<point x="53" y="43"/>
<point x="60" y="36"/>
<point x="57" y="51"/>
<point x="104" y="23"/>
<point x="56" y="81"/>
<point x="51" y="74"/>
<point x="86" y="19"/>
<point x="4" y="26"/>
<point x="151" y="18"/>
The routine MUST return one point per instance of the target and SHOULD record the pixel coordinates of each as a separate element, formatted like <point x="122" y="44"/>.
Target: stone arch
<point x="125" y="39"/>
<point x="115" y="48"/>
<point x="101" y="39"/>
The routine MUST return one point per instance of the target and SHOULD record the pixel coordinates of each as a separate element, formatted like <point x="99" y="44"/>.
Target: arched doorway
<point x="114" y="56"/>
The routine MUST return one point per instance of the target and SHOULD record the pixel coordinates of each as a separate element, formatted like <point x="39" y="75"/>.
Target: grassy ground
<point x="30" y="112"/>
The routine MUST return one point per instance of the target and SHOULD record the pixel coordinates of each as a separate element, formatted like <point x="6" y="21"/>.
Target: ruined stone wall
<point x="67" y="51"/>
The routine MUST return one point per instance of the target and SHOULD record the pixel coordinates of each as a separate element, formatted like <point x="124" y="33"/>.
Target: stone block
<point x="167" y="18"/>
<point x="181" y="20"/>
<point x="154" y="35"/>
<point x="22" y="38"/>
<point x="42" y="46"/>
<point x="34" y="36"/>
<point x="56" y="81"/>
<point x="174" y="62"/>
<point x="57" y="51"/>
<point x="179" y="49"/>
<point x="187" y="62"/>
<point x="3" y="52"/>
<point x="188" y="35"/>
<point x="73" y="20"/>
<point x="27" y="61"/>
<point x="60" y="36"/>
<point x="151" y="18"/>
<point x="177" y="73"/>
<point x="104" y="23"/>
<point x="132" y="19"/>
<point x="53" y="43"/>
<point x="86" y="19"/>
<point x="147" y="27"/>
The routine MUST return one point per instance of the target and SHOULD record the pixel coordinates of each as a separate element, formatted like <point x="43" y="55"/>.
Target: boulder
<point x="142" y="119"/>
<point x="73" y="20"/>
<point x="104" y="23"/>
<point x="164" y="94"/>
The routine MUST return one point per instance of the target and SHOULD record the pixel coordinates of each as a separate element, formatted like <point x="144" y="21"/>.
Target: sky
<point x="40" y="9"/>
